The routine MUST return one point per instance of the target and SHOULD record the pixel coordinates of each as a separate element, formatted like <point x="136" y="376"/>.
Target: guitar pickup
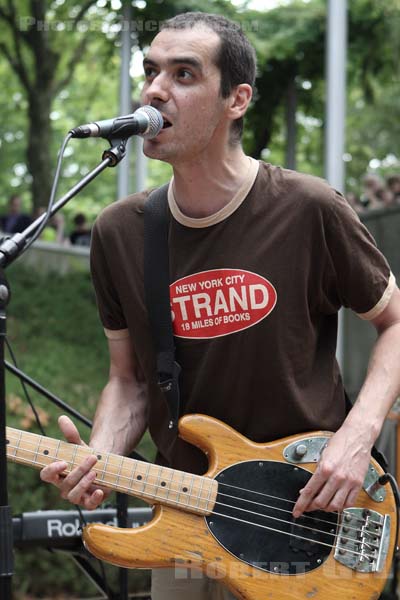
<point x="301" y="544"/>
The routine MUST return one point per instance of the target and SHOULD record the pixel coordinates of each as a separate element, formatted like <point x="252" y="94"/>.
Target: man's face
<point x="183" y="83"/>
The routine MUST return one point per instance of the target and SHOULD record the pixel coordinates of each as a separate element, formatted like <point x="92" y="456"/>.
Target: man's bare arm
<point x="119" y="424"/>
<point x="344" y="463"/>
<point x="121" y="416"/>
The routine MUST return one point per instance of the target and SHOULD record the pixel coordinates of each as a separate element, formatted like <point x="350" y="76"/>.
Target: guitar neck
<point x="151" y="483"/>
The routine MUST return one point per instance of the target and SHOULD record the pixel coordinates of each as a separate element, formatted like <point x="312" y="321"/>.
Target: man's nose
<point x="158" y="89"/>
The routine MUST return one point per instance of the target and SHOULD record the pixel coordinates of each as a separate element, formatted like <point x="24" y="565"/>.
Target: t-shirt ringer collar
<point x="222" y="214"/>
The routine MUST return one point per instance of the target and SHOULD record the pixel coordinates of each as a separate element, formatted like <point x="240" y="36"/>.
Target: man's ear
<point x="239" y="100"/>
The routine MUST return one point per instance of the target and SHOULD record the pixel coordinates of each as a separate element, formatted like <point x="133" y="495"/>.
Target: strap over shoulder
<point x="156" y="283"/>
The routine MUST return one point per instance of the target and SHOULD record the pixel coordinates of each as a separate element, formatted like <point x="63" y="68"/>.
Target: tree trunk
<point x="39" y="161"/>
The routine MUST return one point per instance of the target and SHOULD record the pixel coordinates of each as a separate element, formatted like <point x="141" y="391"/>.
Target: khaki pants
<point x="183" y="584"/>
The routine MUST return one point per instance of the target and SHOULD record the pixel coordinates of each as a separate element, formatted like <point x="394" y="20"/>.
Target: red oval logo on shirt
<point x="219" y="302"/>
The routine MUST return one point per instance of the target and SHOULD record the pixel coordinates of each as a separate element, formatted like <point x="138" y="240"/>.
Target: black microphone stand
<point x="6" y="533"/>
<point x="10" y="249"/>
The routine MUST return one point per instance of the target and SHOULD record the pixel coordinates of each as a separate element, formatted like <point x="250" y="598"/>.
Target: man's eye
<point x="149" y="72"/>
<point x="185" y="74"/>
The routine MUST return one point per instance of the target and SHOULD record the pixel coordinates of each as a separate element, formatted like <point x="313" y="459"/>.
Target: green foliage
<point x="57" y="338"/>
<point x="43" y="42"/>
<point x="13" y="125"/>
<point x="373" y="110"/>
<point x="290" y="43"/>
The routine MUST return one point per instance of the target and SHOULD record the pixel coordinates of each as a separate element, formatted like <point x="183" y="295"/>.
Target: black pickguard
<point x="259" y="496"/>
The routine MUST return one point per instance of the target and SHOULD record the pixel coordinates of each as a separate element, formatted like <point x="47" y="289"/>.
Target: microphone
<point x="145" y="121"/>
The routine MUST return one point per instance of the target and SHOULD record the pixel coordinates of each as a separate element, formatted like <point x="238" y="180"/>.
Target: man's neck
<point x="203" y="188"/>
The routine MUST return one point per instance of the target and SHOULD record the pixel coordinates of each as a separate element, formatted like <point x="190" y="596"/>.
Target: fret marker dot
<point x="163" y="484"/>
<point x="184" y="489"/>
<point x="139" y="477"/>
<point x="7" y="441"/>
<point x="45" y="452"/>
<point x="99" y="456"/>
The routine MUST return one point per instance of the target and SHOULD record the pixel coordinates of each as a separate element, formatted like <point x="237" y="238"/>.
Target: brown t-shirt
<point x="255" y="291"/>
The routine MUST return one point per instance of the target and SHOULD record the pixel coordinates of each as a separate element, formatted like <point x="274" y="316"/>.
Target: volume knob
<point x="300" y="451"/>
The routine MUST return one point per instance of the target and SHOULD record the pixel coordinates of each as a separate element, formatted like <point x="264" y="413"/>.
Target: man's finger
<point x="352" y="497"/>
<point x="73" y="479"/>
<point x="52" y="473"/>
<point x="92" y="501"/>
<point x="329" y="501"/>
<point x="308" y="493"/>
<point x="70" y="431"/>
<point x="76" y="494"/>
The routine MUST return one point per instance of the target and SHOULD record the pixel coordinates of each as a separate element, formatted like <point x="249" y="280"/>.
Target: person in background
<point x="385" y="196"/>
<point x="393" y="183"/>
<point x="81" y="234"/>
<point x="371" y="185"/>
<point x="354" y="200"/>
<point x="15" y="221"/>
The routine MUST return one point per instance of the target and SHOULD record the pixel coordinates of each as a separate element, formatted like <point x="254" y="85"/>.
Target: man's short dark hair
<point x="235" y="58"/>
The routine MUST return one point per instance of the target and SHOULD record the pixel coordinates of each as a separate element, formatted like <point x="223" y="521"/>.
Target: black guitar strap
<point x="156" y="284"/>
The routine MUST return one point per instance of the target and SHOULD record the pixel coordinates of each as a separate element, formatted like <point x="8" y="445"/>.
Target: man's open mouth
<point x="166" y="123"/>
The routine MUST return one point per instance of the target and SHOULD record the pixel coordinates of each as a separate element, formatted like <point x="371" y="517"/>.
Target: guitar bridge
<point x="363" y="540"/>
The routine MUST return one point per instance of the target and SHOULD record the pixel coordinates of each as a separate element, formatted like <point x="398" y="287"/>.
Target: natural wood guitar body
<point x="175" y="538"/>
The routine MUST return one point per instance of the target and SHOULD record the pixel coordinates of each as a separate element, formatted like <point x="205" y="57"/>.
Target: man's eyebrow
<point x="178" y="60"/>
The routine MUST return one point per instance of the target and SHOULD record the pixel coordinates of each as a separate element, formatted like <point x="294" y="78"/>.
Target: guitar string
<point x="326" y="533"/>
<point x="361" y="555"/>
<point x="179" y="503"/>
<point x="280" y="531"/>
<point x="304" y="516"/>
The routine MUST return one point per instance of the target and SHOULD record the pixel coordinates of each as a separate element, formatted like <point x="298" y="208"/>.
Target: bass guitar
<point x="235" y="523"/>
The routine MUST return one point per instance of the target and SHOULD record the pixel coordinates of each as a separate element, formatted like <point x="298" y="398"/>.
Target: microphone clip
<point x="115" y="153"/>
